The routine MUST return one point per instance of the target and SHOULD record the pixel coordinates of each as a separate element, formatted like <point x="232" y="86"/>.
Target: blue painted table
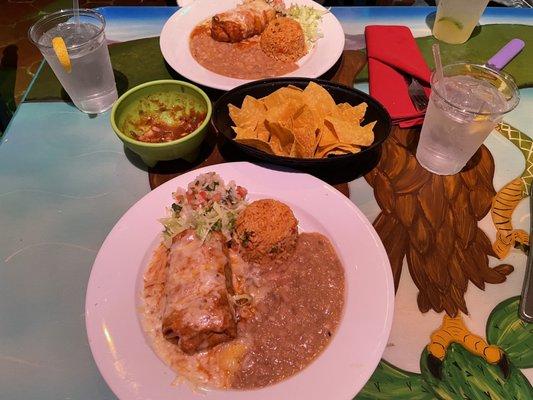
<point x="65" y="180"/>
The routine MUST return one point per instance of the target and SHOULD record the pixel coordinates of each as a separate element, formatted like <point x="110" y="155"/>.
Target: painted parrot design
<point x="465" y="375"/>
<point x="510" y="195"/>
<point x="431" y="221"/>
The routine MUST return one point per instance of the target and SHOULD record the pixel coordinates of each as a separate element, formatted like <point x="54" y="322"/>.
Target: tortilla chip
<point x="235" y="115"/>
<point x="276" y="147"/>
<point x="337" y="153"/>
<point x="284" y="136"/>
<point x="283" y="114"/>
<point x="302" y="146"/>
<point x="293" y="150"/>
<point x="327" y="137"/>
<point x="344" y="106"/>
<point x="350" y="132"/>
<point x="365" y="134"/>
<point x="281" y="96"/>
<point x="251" y="104"/>
<point x="351" y="113"/>
<point x="304" y="118"/>
<point x="243" y="119"/>
<point x="369" y="132"/>
<point x="262" y="132"/>
<point x="319" y="100"/>
<point x="318" y="137"/>
<point x="323" y="152"/>
<point x="244" y="133"/>
<point x="304" y="130"/>
<point x="249" y="115"/>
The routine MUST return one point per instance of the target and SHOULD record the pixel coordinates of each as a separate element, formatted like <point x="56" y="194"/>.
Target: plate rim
<point x="228" y="83"/>
<point x="116" y="384"/>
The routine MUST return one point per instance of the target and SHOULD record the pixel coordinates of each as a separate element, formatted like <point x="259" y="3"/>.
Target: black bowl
<point x="353" y="164"/>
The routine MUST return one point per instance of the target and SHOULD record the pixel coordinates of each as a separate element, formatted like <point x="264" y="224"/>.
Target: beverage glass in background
<point x="90" y="83"/>
<point x="456" y="19"/>
<point x="464" y="107"/>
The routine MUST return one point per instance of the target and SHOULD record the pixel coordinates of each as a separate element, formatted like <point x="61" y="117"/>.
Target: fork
<point x="416" y="93"/>
<point x="526" y="301"/>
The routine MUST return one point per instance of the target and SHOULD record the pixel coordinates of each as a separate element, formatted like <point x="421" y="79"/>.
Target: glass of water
<point x="89" y="78"/>
<point x="464" y="107"/>
<point x="456" y="19"/>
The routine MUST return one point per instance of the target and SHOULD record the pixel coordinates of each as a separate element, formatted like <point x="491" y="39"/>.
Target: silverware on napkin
<point x="526" y="301"/>
<point x="416" y="93"/>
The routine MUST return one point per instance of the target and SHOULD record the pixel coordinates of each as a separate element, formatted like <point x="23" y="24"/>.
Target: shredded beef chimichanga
<point x="197" y="313"/>
<point x="246" y="20"/>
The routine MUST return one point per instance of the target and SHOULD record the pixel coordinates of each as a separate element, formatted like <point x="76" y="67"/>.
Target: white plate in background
<point x="174" y="44"/>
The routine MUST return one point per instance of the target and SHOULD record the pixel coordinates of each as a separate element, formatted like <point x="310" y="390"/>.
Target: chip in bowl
<point x="297" y="123"/>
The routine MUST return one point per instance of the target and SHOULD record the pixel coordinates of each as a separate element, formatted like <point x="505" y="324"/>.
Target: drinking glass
<point x="464" y="107"/>
<point x="456" y="19"/>
<point x="90" y="82"/>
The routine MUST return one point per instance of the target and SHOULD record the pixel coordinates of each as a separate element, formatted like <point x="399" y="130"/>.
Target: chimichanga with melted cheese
<point x="244" y="21"/>
<point x="197" y="313"/>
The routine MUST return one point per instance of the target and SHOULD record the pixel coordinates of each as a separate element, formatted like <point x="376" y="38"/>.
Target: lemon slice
<point x="451" y="21"/>
<point x="61" y="52"/>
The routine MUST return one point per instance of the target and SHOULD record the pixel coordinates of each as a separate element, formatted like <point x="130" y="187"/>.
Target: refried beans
<point x="296" y="319"/>
<point x="243" y="60"/>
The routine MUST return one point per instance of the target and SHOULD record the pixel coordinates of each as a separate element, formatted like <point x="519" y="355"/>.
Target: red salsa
<point x="165" y="123"/>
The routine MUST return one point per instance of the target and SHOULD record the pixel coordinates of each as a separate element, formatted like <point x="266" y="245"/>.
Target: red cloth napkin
<point x="393" y="53"/>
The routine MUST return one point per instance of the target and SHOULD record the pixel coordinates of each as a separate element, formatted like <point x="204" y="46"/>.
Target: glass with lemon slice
<point x="456" y="19"/>
<point x="77" y="52"/>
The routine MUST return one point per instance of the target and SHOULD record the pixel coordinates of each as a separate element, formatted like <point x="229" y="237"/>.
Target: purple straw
<point x="506" y="54"/>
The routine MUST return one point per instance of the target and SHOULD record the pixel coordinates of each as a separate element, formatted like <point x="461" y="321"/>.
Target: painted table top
<point x="66" y="180"/>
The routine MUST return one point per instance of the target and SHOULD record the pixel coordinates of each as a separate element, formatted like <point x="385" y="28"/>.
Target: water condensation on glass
<point x="476" y="96"/>
<point x="456" y="126"/>
<point x="71" y="34"/>
<point x="91" y="82"/>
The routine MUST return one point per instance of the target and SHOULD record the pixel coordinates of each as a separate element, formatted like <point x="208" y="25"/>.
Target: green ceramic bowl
<point x="170" y="93"/>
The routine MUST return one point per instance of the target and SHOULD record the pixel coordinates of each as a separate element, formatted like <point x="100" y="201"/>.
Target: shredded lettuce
<point x="207" y="205"/>
<point x="309" y="18"/>
<point x="217" y="218"/>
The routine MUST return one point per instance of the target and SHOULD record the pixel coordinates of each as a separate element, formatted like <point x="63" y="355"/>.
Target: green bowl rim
<point x="130" y="140"/>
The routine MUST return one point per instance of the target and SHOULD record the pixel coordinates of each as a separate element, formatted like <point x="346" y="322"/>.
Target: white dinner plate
<point x="123" y="353"/>
<point x="174" y="43"/>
